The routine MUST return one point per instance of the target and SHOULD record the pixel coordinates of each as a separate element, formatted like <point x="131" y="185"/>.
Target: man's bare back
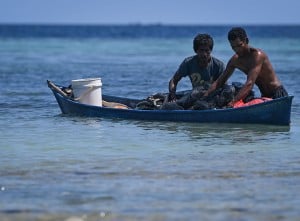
<point x="257" y="63"/>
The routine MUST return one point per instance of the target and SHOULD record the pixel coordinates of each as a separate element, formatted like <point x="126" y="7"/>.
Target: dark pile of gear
<point x="194" y="99"/>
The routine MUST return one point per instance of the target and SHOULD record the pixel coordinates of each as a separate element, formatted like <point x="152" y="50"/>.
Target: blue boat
<point x="274" y="112"/>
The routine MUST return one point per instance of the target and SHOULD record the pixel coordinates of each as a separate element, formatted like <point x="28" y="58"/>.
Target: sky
<point x="193" y="12"/>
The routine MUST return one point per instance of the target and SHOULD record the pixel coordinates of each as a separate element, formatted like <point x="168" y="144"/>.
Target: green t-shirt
<point x="198" y="75"/>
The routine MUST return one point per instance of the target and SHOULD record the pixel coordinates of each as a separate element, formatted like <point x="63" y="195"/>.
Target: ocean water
<point x="58" y="167"/>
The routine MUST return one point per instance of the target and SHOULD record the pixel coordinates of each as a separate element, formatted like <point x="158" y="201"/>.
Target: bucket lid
<point x="86" y="80"/>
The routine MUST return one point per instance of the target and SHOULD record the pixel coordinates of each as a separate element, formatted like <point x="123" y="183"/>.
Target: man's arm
<point x="172" y="86"/>
<point x="222" y="78"/>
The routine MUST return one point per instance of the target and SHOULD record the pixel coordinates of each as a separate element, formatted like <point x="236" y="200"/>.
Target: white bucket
<point x="88" y="91"/>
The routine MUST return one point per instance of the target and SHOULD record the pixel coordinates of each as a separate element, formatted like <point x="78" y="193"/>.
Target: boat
<point x="273" y="112"/>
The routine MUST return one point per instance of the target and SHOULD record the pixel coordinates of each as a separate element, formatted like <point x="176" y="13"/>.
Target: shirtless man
<point x="255" y="64"/>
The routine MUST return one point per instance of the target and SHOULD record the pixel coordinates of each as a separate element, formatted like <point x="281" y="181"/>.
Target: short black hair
<point x="203" y="39"/>
<point x="237" y="32"/>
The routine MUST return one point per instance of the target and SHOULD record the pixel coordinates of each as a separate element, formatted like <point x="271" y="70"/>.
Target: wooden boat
<point x="276" y="112"/>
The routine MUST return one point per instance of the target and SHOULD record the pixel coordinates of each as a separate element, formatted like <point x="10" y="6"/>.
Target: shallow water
<point x="58" y="167"/>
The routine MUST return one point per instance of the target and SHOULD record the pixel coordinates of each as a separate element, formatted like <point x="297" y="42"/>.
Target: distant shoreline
<point x="139" y="31"/>
<point x="147" y="24"/>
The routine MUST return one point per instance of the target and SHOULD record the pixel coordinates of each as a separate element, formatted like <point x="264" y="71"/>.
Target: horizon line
<point x="146" y="24"/>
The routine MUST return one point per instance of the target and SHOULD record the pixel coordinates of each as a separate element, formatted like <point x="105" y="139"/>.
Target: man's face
<point x="239" y="46"/>
<point x="203" y="53"/>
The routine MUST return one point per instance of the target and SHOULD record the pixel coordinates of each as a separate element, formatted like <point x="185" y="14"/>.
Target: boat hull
<point x="276" y="112"/>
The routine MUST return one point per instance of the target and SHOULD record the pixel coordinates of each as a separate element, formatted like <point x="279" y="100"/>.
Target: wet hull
<point x="276" y="112"/>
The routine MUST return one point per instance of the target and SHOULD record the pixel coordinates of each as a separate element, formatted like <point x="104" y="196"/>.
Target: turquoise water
<point x="57" y="167"/>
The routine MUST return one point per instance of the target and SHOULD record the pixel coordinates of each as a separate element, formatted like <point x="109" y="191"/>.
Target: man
<point x="201" y="68"/>
<point x="255" y="64"/>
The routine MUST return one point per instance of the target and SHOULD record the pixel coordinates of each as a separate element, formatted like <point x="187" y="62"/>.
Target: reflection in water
<point x="234" y="133"/>
<point x="193" y="128"/>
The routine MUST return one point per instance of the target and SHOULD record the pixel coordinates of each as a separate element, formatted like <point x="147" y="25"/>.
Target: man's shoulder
<point x="217" y="61"/>
<point x="234" y="61"/>
<point x="189" y="59"/>
<point x="257" y="52"/>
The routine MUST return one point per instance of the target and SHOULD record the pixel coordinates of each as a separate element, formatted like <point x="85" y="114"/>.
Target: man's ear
<point x="247" y="40"/>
